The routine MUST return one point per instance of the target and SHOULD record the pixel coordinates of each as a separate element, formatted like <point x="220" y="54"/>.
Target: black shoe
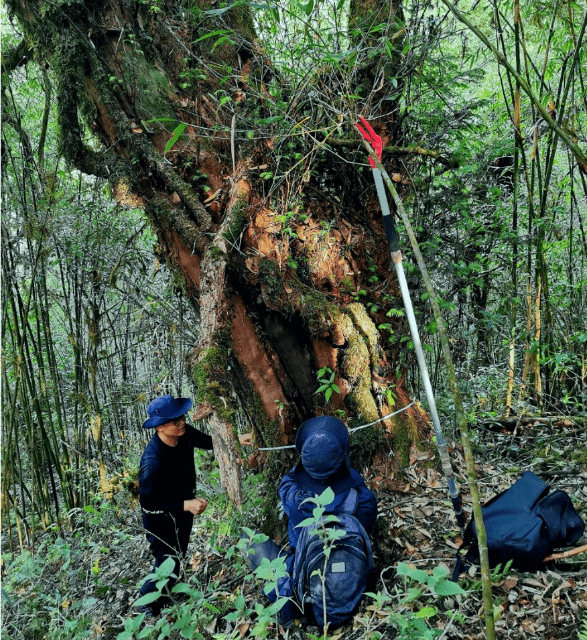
<point x="146" y="610"/>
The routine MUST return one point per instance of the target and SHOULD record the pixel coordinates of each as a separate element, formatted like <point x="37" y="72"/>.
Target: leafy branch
<point x="326" y="378"/>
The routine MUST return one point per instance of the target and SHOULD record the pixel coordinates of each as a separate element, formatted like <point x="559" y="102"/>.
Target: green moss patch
<point x="367" y="329"/>
<point x="209" y="375"/>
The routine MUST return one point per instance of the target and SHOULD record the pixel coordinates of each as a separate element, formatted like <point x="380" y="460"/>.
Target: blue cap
<point x="323" y="445"/>
<point x="164" y="409"/>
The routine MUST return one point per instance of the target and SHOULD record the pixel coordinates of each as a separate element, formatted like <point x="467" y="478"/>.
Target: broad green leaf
<point x="447" y="588"/>
<point x="182" y="587"/>
<point x="147" y="598"/>
<point x="306" y="523"/>
<point x="233" y="617"/>
<point x="419" y="576"/>
<point x="136" y="622"/>
<point x="166" y="568"/>
<point x="440" y="572"/>
<point x="175" y="136"/>
<point x="334" y="534"/>
<point x="264" y="571"/>
<point x="330" y="518"/>
<point x="326" y="497"/>
<point x="413" y="594"/>
<point x="318" y="512"/>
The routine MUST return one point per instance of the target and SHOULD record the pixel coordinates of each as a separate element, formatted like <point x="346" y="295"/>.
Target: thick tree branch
<point x="209" y="368"/>
<point x="420" y="151"/>
<point x="183" y="190"/>
<point x="72" y="146"/>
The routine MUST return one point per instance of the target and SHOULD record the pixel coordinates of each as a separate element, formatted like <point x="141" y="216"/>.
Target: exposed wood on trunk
<point x="216" y="318"/>
<point x="256" y="363"/>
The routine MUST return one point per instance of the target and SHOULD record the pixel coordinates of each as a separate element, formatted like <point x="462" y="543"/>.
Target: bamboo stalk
<point x="517" y="144"/>
<point x="461" y="417"/>
<point x="577" y="151"/>
<point x="535" y="359"/>
<point x="526" y="370"/>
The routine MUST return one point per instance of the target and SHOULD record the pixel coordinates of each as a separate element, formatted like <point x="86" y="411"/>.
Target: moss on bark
<point x="151" y="85"/>
<point x="212" y="380"/>
<point x="367" y="329"/>
<point x="360" y="356"/>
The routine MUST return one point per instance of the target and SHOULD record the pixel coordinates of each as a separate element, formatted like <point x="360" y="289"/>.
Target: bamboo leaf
<point x="175" y="136"/>
<point x="308" y="7"/>
<point x="218" y="32"/>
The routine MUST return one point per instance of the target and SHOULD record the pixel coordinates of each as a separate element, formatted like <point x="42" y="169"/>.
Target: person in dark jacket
<point x="323" y="445"/>
<point x="167" y="483"/>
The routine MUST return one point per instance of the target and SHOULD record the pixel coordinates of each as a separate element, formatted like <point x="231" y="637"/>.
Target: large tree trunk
<point x="286" y="283"/>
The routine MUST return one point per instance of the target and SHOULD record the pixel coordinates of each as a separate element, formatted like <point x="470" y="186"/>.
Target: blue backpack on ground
<point x="346" y="571"/>
<point x="524" y="524"/>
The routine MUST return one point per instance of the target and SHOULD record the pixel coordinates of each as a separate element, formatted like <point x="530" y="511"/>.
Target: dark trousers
<point x="168" y="536"/>
<point x="254" y="554"/>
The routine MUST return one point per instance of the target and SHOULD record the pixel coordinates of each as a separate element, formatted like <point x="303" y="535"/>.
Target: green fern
<point x="583" y="632"/>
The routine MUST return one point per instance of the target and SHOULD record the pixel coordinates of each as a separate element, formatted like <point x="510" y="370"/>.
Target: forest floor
<point x="416" y="526"/>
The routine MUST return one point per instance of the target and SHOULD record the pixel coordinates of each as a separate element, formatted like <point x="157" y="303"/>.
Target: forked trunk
<point x="290" y="277"/>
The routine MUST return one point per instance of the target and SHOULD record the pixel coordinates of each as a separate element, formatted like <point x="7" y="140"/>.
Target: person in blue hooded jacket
<point x="323" y="445"/>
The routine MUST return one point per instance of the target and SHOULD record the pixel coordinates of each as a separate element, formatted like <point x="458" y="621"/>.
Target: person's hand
<point x="195" y="506"/>
<point x="246" y="439"/>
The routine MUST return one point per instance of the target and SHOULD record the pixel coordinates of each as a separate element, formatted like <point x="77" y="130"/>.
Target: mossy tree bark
<point x="286" y="282"/>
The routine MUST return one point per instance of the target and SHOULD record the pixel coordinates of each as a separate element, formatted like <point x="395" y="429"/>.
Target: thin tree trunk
<point x="527" y="345"/>
<point x="536" y="350"/>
